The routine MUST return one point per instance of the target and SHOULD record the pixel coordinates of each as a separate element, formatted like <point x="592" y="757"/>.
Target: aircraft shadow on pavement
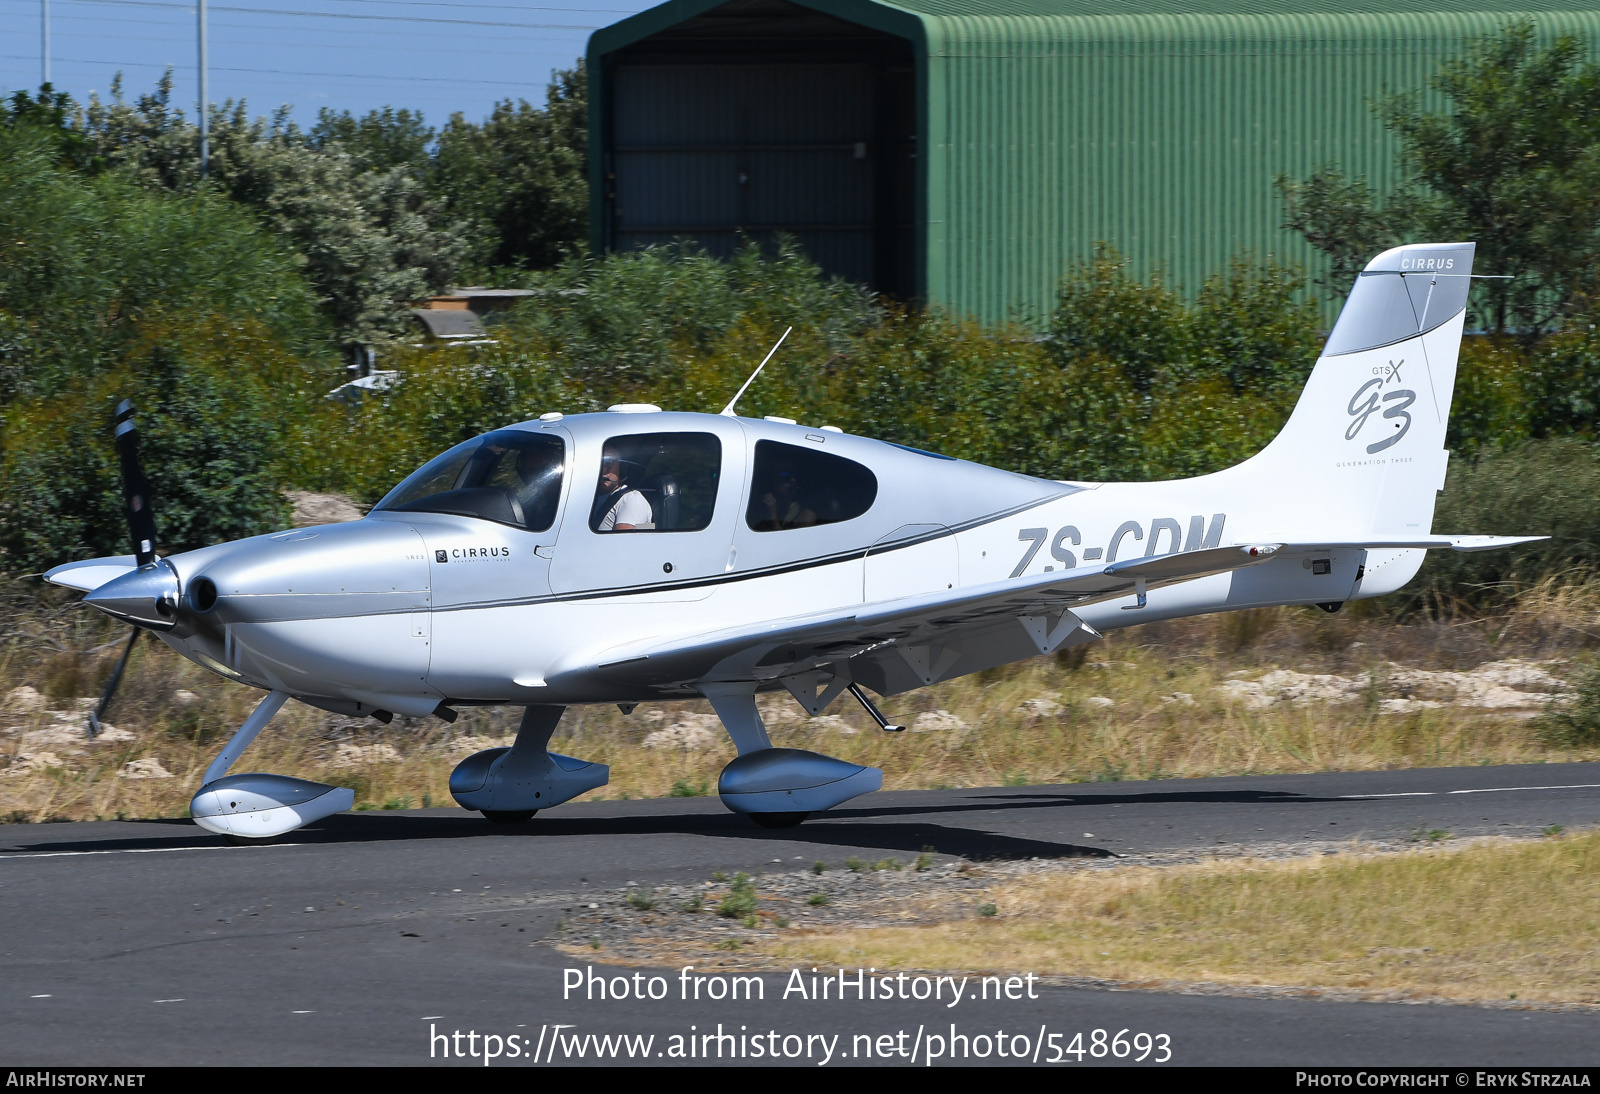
<point x="909" y="839"/>
<point x="1054" y="799"/>
<point x="859" y="828"/>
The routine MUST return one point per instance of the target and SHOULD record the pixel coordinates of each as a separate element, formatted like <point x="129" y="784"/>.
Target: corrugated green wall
<point x="1159" y="134"/>
<point x="1050" y="124"/>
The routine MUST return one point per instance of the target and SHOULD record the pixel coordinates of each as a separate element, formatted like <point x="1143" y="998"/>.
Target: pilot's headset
<point x="627" y="470"/>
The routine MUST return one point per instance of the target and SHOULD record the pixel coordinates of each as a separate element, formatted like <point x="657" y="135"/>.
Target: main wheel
<point x="251" y="841"/>
<point x="778" y="820"/>
<point x="510" y="816"/>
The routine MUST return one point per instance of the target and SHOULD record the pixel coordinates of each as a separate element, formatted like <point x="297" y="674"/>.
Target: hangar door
<point x="721" y="151"/>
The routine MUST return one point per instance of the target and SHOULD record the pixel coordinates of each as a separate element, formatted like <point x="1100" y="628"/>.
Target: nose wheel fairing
<point x="260" y="806"/>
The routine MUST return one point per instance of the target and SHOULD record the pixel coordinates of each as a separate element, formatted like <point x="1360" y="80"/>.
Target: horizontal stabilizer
<point x="91" y="573"/>
<point x="1411" y="543"/>
<point x="1490" y="543"/>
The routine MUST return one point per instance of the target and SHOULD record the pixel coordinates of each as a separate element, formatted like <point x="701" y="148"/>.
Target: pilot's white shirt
<point x="632" y="508"/>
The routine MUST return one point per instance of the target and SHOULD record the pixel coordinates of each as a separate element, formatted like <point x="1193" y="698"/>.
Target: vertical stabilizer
<point x="1363" y="453"/>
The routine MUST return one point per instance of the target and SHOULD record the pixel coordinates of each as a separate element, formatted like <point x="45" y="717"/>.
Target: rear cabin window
<point x="657" y="482"/>
<point x="795" y="487"/>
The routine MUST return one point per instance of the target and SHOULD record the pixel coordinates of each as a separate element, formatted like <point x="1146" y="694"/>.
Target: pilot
<point x="618" y="507"/>
<point x="783" y="504"/>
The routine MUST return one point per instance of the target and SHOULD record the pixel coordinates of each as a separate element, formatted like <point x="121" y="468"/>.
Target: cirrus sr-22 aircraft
<point x="639" y="555"/>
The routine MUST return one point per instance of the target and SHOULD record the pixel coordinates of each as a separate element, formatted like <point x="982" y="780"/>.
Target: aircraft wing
<point x="91" y="573"/>
<point x="895" y="645"/>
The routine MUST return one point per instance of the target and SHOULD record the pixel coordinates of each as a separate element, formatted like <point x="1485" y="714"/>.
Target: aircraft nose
<point x="359" y="568"/>
<point x="147" y="597"/>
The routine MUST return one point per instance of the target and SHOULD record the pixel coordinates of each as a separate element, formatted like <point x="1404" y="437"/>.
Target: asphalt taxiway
<point x="152" y="942"/>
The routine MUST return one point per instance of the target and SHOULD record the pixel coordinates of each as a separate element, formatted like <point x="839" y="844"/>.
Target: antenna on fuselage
<point x="728" y="410"/>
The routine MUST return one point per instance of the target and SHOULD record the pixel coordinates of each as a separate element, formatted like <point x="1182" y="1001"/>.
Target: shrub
<point x="86" y="261"/>
<point x="208" y="392"/>
<point x="1575" y="722"/>
<point x="1537" y="488"/>
<point x="740" y="902"/>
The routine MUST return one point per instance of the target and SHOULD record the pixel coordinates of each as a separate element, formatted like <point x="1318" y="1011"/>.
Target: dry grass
<point x="1489" y="920"/>
<point x="990" y="736"/>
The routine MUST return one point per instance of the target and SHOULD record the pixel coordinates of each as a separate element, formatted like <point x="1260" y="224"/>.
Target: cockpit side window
<point x="796" y="487"/>
<point x="657" y="482"/>
<point x="510" y="476"/>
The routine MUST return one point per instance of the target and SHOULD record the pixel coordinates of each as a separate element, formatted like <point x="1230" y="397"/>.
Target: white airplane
<point x="638" y="555"/>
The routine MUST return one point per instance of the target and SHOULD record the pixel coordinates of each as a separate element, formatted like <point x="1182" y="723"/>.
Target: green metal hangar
<point x="967" y="152"/>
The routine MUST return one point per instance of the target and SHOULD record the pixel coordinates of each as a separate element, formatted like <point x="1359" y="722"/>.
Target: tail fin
<point x="1363" y="453"/>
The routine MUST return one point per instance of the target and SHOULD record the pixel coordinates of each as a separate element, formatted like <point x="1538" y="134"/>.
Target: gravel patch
<point x="673" y="925"/>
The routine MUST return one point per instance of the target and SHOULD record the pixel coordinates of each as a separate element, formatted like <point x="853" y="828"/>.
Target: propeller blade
<point x="93" y="727"/>
<point x="135" y="487"/>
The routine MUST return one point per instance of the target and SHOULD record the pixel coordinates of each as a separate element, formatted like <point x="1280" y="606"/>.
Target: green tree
<point x="1107" y="313"/>
<point x="1255" y="327"/>
<point x="1512" y="162"/>
<point x="371" y="238"/>
<point x="634" y="318"/>
<point x="520" y="179"/>
<point x="216" y="396"/>
<point x="48" y="114"/>
<point x="381" y="139"/>
<point x="84" y="259"/>
<point x="1162" y="388"/>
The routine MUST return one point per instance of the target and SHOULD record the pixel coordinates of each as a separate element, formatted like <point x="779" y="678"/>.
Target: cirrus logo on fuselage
<point x="1369" y="399"/>
<point x="459" y="554"/>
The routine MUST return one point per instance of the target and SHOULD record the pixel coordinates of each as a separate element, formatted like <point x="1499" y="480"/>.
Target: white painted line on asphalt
<point x="1498" y="789"/>
<point x="1484" y="790"/>
<point x="131" y="851"/>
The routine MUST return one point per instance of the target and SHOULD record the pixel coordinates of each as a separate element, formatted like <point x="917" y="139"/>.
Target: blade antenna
<point x="92" y="728"/>
<point x="727" y="411"/>
<point x="135" y="487"/>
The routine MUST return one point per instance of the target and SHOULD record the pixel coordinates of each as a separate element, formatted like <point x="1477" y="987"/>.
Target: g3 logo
<point x="1366" y="401"/>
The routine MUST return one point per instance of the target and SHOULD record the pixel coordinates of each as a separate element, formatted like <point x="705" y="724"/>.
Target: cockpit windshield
<point x="509" y="476"/>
